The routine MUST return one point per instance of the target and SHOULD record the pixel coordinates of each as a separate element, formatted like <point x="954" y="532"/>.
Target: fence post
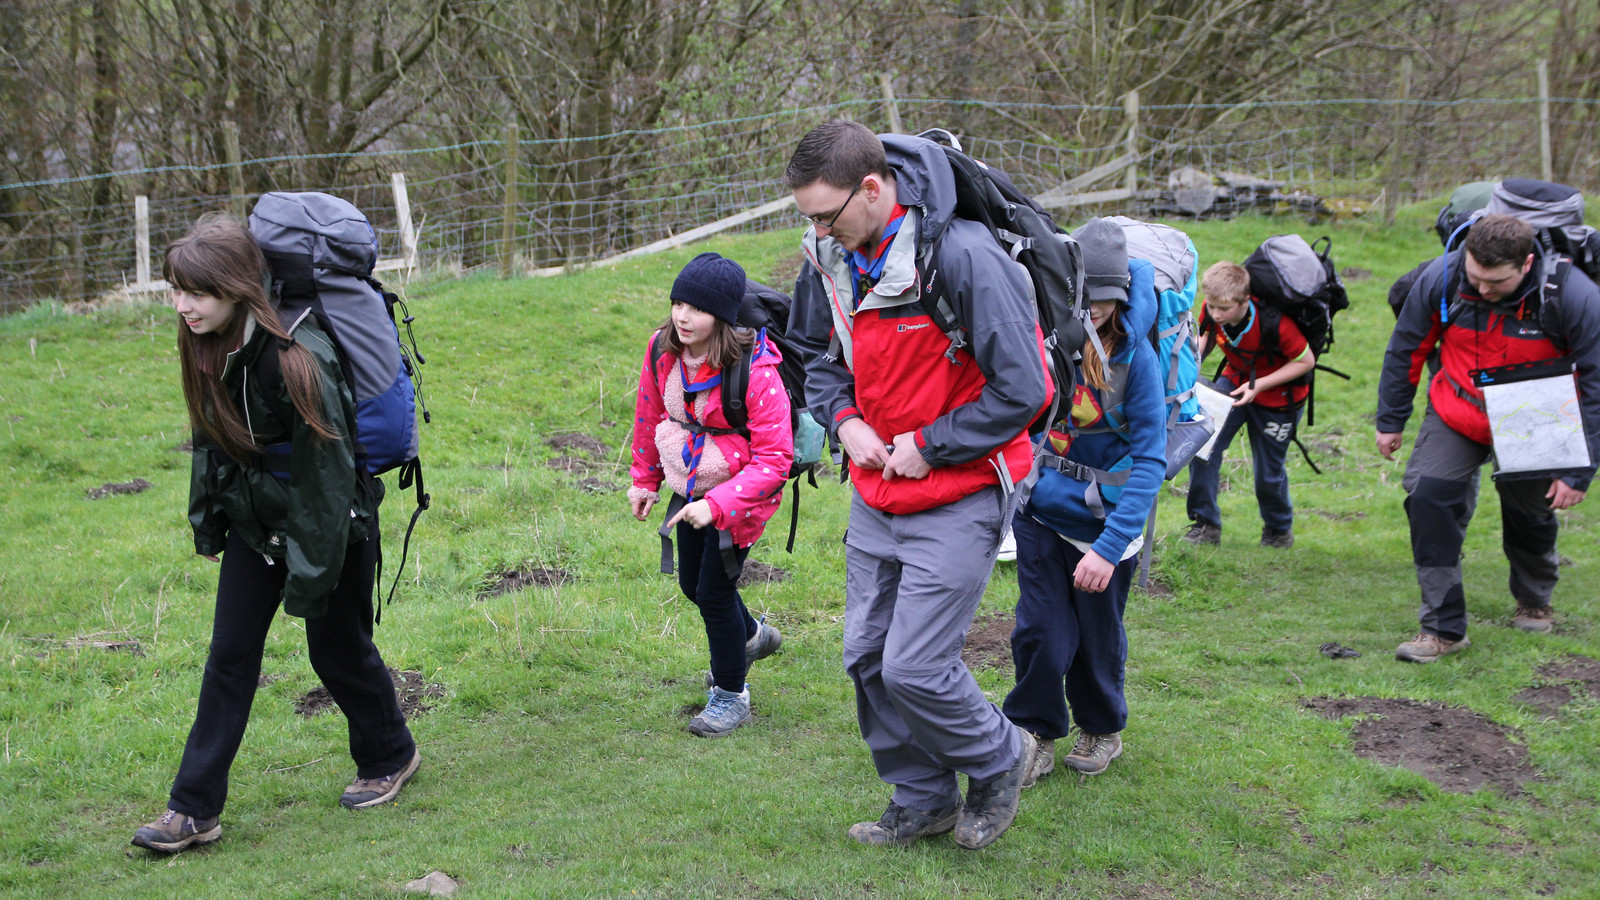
<point x="1391" y="193"/>
<point x="1130" y="104"/>
<point x="402" y="211"/>
<point x="1546" y="158"/>
<point x="141" y="239"/>
<point x="508" y="224"/>
<point x="889" y="101"/>
<point x="230" y="150"/>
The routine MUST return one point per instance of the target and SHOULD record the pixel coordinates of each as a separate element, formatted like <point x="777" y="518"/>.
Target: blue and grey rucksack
<point x="321" y="251"/>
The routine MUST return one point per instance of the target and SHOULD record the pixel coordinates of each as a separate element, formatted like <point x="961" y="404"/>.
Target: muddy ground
<point x="413" y="690"/>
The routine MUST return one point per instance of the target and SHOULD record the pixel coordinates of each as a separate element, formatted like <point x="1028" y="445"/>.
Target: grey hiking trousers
<point x="912" y="585"/>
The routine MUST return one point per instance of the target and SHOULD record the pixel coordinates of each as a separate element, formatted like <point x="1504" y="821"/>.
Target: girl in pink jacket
<point x="725" y="483"/>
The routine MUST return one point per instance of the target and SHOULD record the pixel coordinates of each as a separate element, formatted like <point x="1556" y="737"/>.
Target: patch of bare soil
<point x="786" y="271"/>
<point x="1355" y="273"/>
<point x="1156" y="587"/>
<point x="125" y="487"/>
<point x="596" y="486"/>
<point x="412" y="690"/>
<point x="1351" y="515"/>
<point x="567" y="443"/>
<point x="1560" y="681"/>
<point x="758" y="572"/>
<point x="1456" y="749"/>
<point x="989" y="641"/>
<point x="506" y="582"/>
<point x="573" y="465"/>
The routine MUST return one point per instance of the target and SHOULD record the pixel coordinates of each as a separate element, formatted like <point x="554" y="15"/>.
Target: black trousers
<point x="703" y="578"/>
<point x="341" y="652"/>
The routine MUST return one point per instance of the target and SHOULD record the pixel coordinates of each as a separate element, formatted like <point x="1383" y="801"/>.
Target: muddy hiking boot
<point x="364" y="793"/>
<point x="1278" y="539"/>
<point x="901" y="826"/>
<point x="1425" y="648"/>
<point x="1537" y="619"/>
<point x="761" y="645"/>
<point x="1092" y="753"/>
<point x="1204" y="533"/>
<point x="175" y="831"/>
<point x="1044" y="762"/>
<point x="724" y="712"/>
<point x="991" y="805"/>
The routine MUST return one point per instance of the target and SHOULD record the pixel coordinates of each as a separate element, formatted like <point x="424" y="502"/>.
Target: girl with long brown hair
<point x="278" y="497"/>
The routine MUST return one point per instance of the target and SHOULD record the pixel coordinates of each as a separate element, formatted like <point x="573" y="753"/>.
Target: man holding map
<point x="1499" y="311"/>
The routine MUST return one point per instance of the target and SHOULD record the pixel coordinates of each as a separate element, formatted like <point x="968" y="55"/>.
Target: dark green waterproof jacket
<point x="318" y="502"/>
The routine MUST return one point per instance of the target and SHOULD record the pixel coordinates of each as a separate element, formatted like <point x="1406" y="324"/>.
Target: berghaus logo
<point x="904" y="328"/>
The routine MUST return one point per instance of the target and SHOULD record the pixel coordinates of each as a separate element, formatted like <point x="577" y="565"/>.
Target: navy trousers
<point x="1269" y="431"/>
<point x="1069" y="646"/>
<point x="703" y="578"/>
<point x="342" y="654"/>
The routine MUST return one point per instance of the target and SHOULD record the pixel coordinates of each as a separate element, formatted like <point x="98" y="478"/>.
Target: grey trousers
<point x="912" y="585"/>
<point x="1441" y="491"/>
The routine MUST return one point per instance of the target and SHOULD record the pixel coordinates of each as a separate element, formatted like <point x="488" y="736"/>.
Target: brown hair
<point x="220" y="258"/>
<point x="1499" y="240"/>
<point x="1111" y="335"/>
<point x="1226" y="281"/>
<point x="839" y="154"/>
<point x="724" y="348"/>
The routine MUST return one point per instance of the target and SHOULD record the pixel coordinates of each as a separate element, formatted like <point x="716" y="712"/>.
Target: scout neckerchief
<point x="869" y="270"/>
<point x="1232" y="340"/>
<point x="697" y="439"/>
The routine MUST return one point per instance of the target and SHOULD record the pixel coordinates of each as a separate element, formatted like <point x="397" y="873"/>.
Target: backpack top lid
<point x="325" y="229"/>
<point x="1464" y="201"/>
<point x="1299" y="270"/>
<point x="1164" y="247"/>
<point x="1541" y="204"/>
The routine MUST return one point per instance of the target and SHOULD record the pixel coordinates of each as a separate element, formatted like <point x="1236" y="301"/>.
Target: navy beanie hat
<point x="711" y="283"/>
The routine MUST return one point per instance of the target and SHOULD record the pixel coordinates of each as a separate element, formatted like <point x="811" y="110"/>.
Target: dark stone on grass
<point x="989" y="641"/>
<point x="126" y="487"/>
<point x="1336" y="650"/>
<point x="758" y="572"/>
<point x="506" y="582"/>
<point x="1456" y="749"/>
<point x="412" y="690"/>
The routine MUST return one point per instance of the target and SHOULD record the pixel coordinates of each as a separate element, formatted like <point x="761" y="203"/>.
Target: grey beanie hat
<point x="711" y="283"/>
<point x="1105" y="259"/>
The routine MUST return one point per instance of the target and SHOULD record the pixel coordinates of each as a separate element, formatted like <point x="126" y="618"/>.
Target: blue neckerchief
<point x="1249" y="323"/>
<point x="697" y="442"/>
<point x="868" y="271"/>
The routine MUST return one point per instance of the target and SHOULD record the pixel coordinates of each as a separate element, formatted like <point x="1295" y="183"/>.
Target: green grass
<point x="558" y="764"/>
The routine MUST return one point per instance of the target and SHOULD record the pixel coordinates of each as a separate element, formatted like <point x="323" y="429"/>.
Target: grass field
<point x="556" y="763"/>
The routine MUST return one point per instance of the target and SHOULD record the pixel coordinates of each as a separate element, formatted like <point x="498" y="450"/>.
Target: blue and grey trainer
<point x="761" y="645"/>
<point x="724" y="712"/>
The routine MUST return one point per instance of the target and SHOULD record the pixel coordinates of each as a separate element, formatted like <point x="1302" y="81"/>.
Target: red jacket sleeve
<point x="648" y="412"/>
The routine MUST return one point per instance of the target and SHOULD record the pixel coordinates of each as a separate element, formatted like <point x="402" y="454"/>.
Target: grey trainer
<point x="991" y="805"/>
<point x="175" y="831"/>
<point x="902" y="826"/>
<point x="364" y="793"/>
<point x="724" y="712"/>
<point x="1093" y="753"/>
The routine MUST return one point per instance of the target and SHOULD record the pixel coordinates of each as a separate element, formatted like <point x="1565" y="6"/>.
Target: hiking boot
<point x="1204" y="533"/>
<point x="1537" y="619"/>
<point x="992" y="805"/>
<point x="724" y="712"/>
<point x="175" y="831"/>
<point x="1093" y="753"/>
<point x="1044" y="762"/>
<point x="367" y="792"/>
<point x="1277" y="539"/>
<point x="1425" y="647"/>
<point x="902" y="826"/>
<point x="761" y="645"/>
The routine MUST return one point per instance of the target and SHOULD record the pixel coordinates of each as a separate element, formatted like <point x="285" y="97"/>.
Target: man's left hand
<point x="906" y="461"/>
<point x="1562" y="495"/>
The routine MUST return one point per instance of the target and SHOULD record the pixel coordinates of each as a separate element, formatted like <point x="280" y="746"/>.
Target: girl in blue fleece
<point x="1079" y="537"/>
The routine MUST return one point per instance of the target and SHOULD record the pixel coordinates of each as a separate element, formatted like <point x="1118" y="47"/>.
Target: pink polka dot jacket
<point x="742" y="479"/>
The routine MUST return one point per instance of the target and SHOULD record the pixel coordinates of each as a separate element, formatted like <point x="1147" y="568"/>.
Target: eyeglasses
<point x="817" y="220"/>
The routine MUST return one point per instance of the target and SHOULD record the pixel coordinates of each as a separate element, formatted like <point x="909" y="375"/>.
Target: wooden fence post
<point x="230" y="150"/>
<point x="402" y="210"/>
<point x="1130" y="105"/>
<point x="508" y="224"/>
<point x="889" y="101"/>
<point x="1546" y="157"/>
<point x="1391" y="193"/>
<point x="141" y="239"/>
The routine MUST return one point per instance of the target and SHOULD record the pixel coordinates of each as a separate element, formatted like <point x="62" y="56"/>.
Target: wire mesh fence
<point x="581" y="199"/>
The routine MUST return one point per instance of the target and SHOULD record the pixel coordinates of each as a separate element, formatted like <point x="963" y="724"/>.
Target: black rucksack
<point x="1301" y="282"/>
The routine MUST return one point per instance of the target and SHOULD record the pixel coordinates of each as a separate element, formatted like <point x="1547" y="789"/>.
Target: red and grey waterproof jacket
<point x="1260" y="353"/>
<point x="740" y="476"/>
<point x="969" y="416"/>
<point x="1540" y="321"/>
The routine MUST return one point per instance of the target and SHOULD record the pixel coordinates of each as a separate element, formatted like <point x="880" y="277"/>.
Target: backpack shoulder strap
<point x="936" y="304"/>
<point x="735" y="385"/>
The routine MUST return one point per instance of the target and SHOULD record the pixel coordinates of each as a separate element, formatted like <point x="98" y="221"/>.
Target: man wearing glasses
<point x="930" y="437"/>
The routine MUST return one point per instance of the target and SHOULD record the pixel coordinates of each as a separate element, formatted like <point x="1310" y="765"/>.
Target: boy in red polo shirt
<point x="1267" y="359"/>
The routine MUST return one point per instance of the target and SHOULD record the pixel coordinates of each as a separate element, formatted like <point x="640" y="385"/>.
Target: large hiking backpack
<point x="321" y="251"/>
<point x="766" y="310"/>
<point x="1464" y="201"/>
